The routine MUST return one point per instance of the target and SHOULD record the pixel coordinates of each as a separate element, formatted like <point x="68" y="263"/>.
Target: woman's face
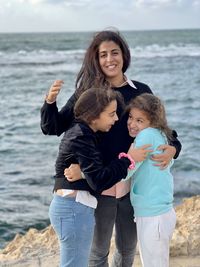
<point x="111" y="60"/>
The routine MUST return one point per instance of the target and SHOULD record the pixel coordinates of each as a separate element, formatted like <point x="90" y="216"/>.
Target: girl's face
<point x="111" y="61"/>
<point x="137" y="121"/>
<point x="106" y="119"/>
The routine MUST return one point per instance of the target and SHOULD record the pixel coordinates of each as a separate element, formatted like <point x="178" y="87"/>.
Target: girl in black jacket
<point x="72" y="208"/>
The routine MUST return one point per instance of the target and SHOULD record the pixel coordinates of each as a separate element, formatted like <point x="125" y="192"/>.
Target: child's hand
<point x="140" y="153"/>
<point x="164" y="159"/>
<point x="73" y="173"/>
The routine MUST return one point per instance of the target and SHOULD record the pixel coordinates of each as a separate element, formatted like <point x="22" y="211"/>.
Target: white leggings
<point x="154" y="235"/>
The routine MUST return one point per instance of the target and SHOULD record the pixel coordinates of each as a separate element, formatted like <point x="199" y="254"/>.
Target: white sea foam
<point x="40" y="56"/>
<point x="172" y="50"/>
<point x="59" y="57"/>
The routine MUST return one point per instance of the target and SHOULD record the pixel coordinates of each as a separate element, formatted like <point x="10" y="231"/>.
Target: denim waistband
<point x="57" y="197"/>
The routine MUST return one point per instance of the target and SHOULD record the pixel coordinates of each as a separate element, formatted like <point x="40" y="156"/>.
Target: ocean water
<point x="168" y="61"/>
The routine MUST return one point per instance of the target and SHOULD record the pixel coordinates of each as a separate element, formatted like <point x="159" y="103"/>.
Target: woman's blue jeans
<point x="73" y="223"/>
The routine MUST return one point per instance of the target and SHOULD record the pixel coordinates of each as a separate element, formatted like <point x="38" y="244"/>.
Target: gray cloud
<point x="165" y="3"/>
<point x="78" y="15"/>
<point x="68" y="2"/>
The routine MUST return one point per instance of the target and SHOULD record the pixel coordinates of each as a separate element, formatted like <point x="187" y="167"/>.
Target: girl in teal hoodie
<point x="151" y="187"/>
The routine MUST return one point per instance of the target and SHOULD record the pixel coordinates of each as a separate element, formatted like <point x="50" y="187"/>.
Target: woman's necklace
<point x="124" y="82"/>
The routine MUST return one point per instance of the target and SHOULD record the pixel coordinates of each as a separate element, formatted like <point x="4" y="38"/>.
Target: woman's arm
<point x="175" y="143"/>
<point x="54" y="122"/>
<point x="169" y="152"/>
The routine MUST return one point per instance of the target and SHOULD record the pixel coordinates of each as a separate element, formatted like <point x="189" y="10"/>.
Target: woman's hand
<point x="73" y="173"/>
<point x="140" y="153"/>
<point x="54" y="91"/>
<point x="165" y="158"/>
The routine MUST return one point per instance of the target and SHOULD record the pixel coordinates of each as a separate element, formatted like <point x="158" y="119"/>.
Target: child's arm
<point x="73" y="173"/>
<point x="98" y="176"/>
<point x="139" y="154"/>
<point x="139" y="148"/>
<point x="131" y="172"/>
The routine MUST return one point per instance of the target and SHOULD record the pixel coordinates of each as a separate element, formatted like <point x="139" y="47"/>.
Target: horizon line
<point x="91" y="31"/>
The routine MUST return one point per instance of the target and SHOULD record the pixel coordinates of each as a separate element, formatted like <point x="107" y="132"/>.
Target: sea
<point x="167" y="60"/>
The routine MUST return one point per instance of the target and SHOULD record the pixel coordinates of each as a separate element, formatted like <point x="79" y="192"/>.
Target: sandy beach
<point x="182" y="261"/>
<point x="53" y="261"/>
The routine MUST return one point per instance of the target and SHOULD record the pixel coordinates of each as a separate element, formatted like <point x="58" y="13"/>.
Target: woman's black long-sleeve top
<point x="80" y="145"/>
<point x="113" y="142"/>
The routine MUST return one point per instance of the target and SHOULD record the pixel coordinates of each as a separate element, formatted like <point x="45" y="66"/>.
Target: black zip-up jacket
<point x="113" y="142"/>
<point x="80" y="145"/>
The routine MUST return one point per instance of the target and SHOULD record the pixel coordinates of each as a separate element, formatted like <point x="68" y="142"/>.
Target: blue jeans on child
<point x="73" y="223"/>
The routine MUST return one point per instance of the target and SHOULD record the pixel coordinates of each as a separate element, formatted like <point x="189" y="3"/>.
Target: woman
<point x="105" y="63"/>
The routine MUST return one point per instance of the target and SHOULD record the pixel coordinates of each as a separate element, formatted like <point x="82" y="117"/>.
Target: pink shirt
<point x="123" y="187"/>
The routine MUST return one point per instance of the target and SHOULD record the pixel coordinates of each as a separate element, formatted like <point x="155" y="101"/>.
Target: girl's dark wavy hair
<point x="90" y="74"/>
<point x="154" y="110"/>
<point x="92" y="102"/>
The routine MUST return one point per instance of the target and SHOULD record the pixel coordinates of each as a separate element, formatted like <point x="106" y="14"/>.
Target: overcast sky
<point x="94" y="15"/>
